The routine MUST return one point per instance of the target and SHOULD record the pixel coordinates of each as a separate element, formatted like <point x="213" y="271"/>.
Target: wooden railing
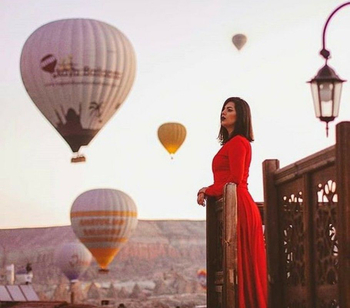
<point x="222" y="276"/>
<point x="307" y="228"/>
<point x="222" y="249"/>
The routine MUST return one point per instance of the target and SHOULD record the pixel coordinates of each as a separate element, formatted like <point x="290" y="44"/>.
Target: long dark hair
<point x="243" y="125"/>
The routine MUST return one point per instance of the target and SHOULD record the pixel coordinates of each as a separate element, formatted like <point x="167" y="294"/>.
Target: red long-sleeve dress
<point x="231" y="164"/>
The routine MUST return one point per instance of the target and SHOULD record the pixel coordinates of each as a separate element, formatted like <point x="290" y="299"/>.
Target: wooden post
<point x="271" y="221"/>
<point x="222" y="249"/>
<point x="230" y="269"/>
<point x="71" y="289"/>
<point x="309" y="229"/>
<point x="211" y="231"/>
<point x="342" y="151"/>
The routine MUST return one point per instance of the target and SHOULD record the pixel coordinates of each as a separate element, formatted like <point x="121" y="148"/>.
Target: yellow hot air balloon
<point x="171" y="135"/>
<point x="239" y="40"/>
<point x="78" y="72"/>
<point x="103" y="220"/>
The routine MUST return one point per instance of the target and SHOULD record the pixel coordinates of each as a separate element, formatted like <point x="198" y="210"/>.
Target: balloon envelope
<point x="202" y="278"/>
<point x="78" y="72"/>
<point x="171" y="135"/>
<point x="103" y="220"/>
<point x="239" y="40"/>
<point x="73" y="259"/>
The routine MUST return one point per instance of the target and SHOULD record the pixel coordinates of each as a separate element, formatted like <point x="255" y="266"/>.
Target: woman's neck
<point x="230" y="131"/>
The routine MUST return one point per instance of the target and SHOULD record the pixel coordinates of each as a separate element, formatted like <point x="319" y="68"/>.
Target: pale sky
<point x="186" y="67"/>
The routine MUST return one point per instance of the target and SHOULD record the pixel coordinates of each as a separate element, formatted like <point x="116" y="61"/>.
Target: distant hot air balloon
<point x="202" y="278"/>
<point x="78" y="72"/>
<point x="73" y="259"/>
<point x="239" y="40"/>
<point x="171" y="135"/>
<point x="103" y="220"/>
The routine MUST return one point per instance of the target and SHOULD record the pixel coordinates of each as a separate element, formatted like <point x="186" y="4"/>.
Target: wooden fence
<point x="307" y="228"/>
<point x="222" y="249"/>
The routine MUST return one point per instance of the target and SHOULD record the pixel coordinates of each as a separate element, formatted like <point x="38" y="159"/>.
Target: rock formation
<point x="160" y="259"/>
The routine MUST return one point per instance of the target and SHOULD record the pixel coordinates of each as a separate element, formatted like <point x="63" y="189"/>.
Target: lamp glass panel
<point x="316" y="98"/>
<point x="326" y="91"/>
<point x="337" y="93"/>
<point x="326" y="98"/>
<point x="326" y="109"/>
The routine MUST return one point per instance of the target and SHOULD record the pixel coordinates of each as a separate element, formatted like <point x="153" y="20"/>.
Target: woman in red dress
<point x="231" y="164"/>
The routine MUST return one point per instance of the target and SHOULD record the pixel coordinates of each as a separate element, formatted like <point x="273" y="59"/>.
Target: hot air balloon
<point x="202" y="278"/>
<point x="78" y="72"/>
<point x="171" y="135"/>
<point x="103" y="220"/>
<point x="73" y="259"/>
<point x="239" y="40"/>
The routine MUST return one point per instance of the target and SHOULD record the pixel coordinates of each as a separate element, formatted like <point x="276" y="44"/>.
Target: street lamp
<point x="326" y="86"/>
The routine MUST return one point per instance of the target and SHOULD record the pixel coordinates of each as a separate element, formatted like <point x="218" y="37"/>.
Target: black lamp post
<point x="326" y="86"/>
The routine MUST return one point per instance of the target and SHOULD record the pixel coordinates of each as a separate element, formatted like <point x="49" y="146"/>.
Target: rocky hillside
<point x="161" y="257"/>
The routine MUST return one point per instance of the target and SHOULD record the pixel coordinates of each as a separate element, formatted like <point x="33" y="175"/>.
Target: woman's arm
<point x="201" y="196"/>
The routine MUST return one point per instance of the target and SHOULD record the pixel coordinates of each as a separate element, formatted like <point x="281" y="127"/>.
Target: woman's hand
<point x="201" y="197"/>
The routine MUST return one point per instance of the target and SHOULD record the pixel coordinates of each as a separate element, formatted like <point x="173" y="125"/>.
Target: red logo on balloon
<point x="66" y="68"/>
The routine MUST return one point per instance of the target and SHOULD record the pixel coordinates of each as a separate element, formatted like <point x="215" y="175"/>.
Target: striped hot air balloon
<point x="78" y="72"/>
<point x="103" y="220"/>
<point x="73" y="259"/>
<point x="202" y="278"/>
<point x="171" y="135"/>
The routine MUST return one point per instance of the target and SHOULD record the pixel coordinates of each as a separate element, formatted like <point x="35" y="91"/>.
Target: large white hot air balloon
<point x="103" y="220"/>
<point x="73" y="259"/>
<point x="239" y="40"/>
<point x="78" y="72"/>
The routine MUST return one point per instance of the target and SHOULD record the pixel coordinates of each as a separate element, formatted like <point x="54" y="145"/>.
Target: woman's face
<point x="228" y="117"/>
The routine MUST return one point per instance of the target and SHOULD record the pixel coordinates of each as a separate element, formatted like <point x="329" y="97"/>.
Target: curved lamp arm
<point x="324" y="52"/>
